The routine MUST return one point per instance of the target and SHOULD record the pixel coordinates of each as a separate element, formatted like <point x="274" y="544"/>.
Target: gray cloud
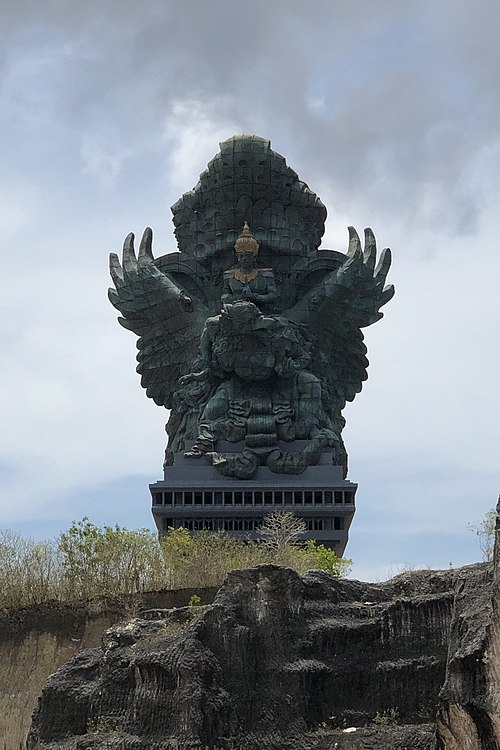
<point x="389" y="111"/>
<point x="406" y="91"/>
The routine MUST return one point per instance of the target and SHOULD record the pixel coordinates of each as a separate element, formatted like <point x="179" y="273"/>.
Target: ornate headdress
<point x="246" y="242"/>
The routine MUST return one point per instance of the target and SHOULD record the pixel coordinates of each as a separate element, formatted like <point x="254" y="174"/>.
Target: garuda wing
<point x="335" y="310"/>
<point x="168" y="322"/>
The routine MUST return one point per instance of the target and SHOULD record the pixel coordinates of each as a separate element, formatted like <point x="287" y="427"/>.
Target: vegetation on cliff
<point x="89" y="561"/>
<point x="485" y="532"/>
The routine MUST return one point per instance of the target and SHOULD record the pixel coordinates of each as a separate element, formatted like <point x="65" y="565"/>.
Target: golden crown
<point x="246" y="242"/>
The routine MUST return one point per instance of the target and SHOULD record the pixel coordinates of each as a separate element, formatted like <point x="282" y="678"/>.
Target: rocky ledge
<point x="287" y="661"/>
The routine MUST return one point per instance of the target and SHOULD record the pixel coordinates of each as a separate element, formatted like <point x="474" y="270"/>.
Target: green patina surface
<point x="255" y="341"/>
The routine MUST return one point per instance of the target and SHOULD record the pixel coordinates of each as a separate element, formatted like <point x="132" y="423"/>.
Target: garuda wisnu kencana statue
<point x="251" y="334"/>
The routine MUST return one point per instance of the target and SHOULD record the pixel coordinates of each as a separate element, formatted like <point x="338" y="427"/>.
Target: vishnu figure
<point x="246" y="281"/>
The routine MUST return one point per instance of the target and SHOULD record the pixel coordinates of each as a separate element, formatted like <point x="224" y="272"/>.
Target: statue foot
<point x="204" y="443"/>
<point x="216" y="459"/>
<point x="195" y="452"/>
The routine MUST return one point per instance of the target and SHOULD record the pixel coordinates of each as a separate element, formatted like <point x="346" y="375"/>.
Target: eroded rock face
<point x="36" y="640"/>
<point x="277" y="661"/>
<point x="469" y="712"/>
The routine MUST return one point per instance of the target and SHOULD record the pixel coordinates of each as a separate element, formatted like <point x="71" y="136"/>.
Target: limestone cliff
<point x="278" y="661"/>
<point x="35" y="641"/>
<point x="469" y="712"/>
<point x="285" y="661"/>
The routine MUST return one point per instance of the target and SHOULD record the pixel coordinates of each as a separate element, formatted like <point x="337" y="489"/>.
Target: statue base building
<point x="250" y="335"/>
<point x="195" y="496"/>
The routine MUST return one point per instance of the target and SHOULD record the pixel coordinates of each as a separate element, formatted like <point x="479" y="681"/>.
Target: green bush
<point x="386" y="718"/>
<point x="89" y="561"/>
<point x="109" y="560"/>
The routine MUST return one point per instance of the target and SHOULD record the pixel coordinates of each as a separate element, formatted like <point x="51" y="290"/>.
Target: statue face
<point x="246" y="260"/>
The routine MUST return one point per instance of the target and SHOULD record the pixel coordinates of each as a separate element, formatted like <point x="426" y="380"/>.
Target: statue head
<point x="246" y="248"/>
<point x="240" y="313"/>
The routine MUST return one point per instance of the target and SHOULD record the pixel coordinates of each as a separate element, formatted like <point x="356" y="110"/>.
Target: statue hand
<point x="361" y="264"/>
<point x="139" y="283"/>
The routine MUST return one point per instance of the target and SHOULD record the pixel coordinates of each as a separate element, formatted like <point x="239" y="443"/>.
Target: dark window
<point x="257" y="498"/>
<point x="198" y="524"/>
<point x="228" y="498"/>
<point x="318" y="524"/>
<point x="209" y="498"/>
<point x="318" y="498"/>
<point x="338" y="523"/>
<point x="157" y="498"/>
<point x="208" y="524"/>
<point x="248" y="498"/>
<point x="218" y="524"/>
<point x="248" y="524"/>
<point x="238" y="498"/>
<point x="278" y="498"/>
<point x="297" y="498"/>
<point x="198" y="498"/>
<point x="268" y="498"/>
<point x="327" y="524"/>
<point x="328" y="497"/>
<point x="349" y="497"/>
<point x="167" y="523"/>
<point x="228" y="524"/>
<point x="288" y="498"/>
<point x="167" y="498"/>
<point x="308" y="496"/>
<point x="237" y="524"/>
<point x="188" y="523"/>
<point x="257" y="523"/>
<point x="338" y="497"/>
<point x="309" y="523"/>
<point x="218" y="498"/>
<point x="188" y="498"/>
<point x="178" y="498"/>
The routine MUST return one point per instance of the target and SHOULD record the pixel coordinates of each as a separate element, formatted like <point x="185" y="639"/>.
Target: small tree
<point x="485" y="532"/>
<point x="109" y="560"/>
<point x="280" y="530"/>
<point x="318" y="556"/>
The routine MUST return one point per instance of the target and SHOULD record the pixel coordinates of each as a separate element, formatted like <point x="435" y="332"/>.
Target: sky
<point x="389" y="111"/>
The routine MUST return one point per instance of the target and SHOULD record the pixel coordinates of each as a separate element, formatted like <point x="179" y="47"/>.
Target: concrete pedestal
<point x="194" y="495"/>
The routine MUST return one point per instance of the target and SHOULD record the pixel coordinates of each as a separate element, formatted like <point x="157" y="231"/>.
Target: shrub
<point x="90" y="561"/>
<point x="386" y="718"/>
<point x="110" y="560"/>
<point x="29" y="571"/>
<point x="485" y="532"/>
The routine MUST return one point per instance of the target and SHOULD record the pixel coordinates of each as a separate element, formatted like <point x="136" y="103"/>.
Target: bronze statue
<point x="262" y="352"/>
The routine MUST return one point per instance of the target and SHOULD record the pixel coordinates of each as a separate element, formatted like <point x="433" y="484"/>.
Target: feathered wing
<point x="336" y="309"/>
<point x="167" y="321"/>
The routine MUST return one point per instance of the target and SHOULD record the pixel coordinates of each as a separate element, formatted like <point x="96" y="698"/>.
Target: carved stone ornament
<point x="250" y="334"/>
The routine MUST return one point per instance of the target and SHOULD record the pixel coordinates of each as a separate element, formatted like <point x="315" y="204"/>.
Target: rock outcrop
<point x="36" y="640"/>
<point x="286" y="662"/>
<point x="469" y="710"/>
<point x="277" y="661"/>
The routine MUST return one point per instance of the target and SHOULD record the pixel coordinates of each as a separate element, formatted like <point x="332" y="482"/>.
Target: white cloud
<point x="104" y="162"/>
<point x="194" y="128"/>
<point x="388" y="112"/>
<point x="20" y="205"/>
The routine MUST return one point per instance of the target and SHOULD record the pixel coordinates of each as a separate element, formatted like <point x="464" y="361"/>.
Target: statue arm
<point x="270" y="294"/>
<point x="227" y="292"/>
